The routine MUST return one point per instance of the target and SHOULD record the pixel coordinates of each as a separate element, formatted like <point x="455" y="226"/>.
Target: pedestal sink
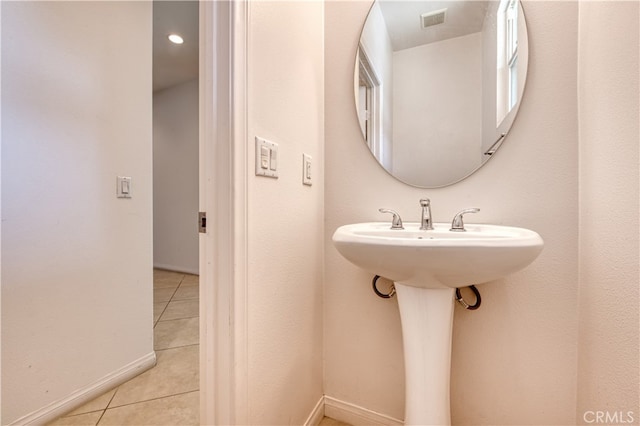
<point x="427" y="267"/>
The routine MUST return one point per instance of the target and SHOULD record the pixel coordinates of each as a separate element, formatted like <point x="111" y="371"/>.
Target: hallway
<point x="168" y="393"/>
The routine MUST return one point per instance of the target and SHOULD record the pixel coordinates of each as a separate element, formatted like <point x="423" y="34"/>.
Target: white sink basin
<point x="439" y="258"/>
<point x="426" y="266"/>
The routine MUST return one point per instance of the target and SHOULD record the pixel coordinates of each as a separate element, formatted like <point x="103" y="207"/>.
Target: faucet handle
<point x="457" y="224"/>
<point x="425" y="202"/>
<point x="396" y="221"/>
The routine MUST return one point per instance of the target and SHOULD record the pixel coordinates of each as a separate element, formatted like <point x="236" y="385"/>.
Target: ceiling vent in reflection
<point x="430" y="19"/>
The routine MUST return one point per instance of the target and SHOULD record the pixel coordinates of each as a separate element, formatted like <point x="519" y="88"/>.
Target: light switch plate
<point x="123" y="187"/>
<point x="266" y="158"/>
<point x="306" y="169"/>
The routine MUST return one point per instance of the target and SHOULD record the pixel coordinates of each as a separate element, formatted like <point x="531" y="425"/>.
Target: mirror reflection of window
<point x="507" y="59"/>
<point x="364" y="108"/>
<point x="512" y="51"/>
<point x="368" y="105"/>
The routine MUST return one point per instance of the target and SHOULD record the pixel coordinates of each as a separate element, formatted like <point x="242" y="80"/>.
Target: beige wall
<point x="452" y="93"/>
<point x="76" y="277"/>
<point x="514" y="360"/>
<point x="285" y="218"/>
<point x="608" y="99"/>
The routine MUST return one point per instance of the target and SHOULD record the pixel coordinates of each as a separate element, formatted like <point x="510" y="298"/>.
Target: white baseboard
<point x="317" y="414"/>
<point x="80" y="397"/>
<point x="174" y="268"/>
<point x="356" y="415"/>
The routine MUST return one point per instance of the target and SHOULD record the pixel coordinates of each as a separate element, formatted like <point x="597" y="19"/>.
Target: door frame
<point x="223" y="196"/>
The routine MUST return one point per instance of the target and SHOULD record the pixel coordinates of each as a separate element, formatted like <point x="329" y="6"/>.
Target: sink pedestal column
<point x="426" y="315"/>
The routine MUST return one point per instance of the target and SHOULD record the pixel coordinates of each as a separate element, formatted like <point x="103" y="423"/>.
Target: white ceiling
<point x="403" y="21"/>
<point x="172" y="63"/>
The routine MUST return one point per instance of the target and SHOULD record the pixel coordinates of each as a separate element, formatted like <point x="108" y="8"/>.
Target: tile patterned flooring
<point x="167" y="394"/>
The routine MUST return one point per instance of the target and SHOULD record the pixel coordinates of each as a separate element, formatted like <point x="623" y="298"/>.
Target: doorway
<point x="175" y="204"/>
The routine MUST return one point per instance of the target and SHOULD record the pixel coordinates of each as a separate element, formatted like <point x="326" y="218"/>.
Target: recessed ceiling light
<point x="175" y="38"/>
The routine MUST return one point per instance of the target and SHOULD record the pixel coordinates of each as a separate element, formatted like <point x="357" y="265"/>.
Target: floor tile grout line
<point x="180" y="283"/>
<point x="95" y="411"/>
<point x="161" y="314"/>
<point x="107" y="407"/>
<point x="169" y="301"/>
<point x="81" y="414"/>
<point x="185" y="299"/>
<point x="179" y="319"/>
<point x="112" y="396"/>
<point x="174" y="291"/>
<point x="101" y="416"/>
<point x="173" y="319"/>
<point x="177" y="347"/>
<point x="152" y="399"/>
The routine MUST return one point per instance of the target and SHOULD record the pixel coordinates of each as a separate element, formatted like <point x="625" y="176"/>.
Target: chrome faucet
<point x="426" y="223"/>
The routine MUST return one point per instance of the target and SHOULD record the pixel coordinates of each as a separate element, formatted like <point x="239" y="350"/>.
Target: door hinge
<point x="202" y="222"/>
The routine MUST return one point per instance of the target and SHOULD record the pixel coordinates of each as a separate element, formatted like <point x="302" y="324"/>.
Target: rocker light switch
<point x="264" y="157"/>
<point x="273" y="164"/>
<point x="123" y="188"/>
<point x="306" y="169"/>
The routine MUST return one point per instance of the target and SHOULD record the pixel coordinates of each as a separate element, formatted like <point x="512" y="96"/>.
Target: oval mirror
<point x="438" y="85"/>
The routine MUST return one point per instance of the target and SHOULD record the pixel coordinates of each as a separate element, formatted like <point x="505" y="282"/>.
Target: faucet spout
<point x="426" y="223"/>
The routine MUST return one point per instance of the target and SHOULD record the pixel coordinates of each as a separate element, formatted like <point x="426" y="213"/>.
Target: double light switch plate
<point x="266" y="158"/>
